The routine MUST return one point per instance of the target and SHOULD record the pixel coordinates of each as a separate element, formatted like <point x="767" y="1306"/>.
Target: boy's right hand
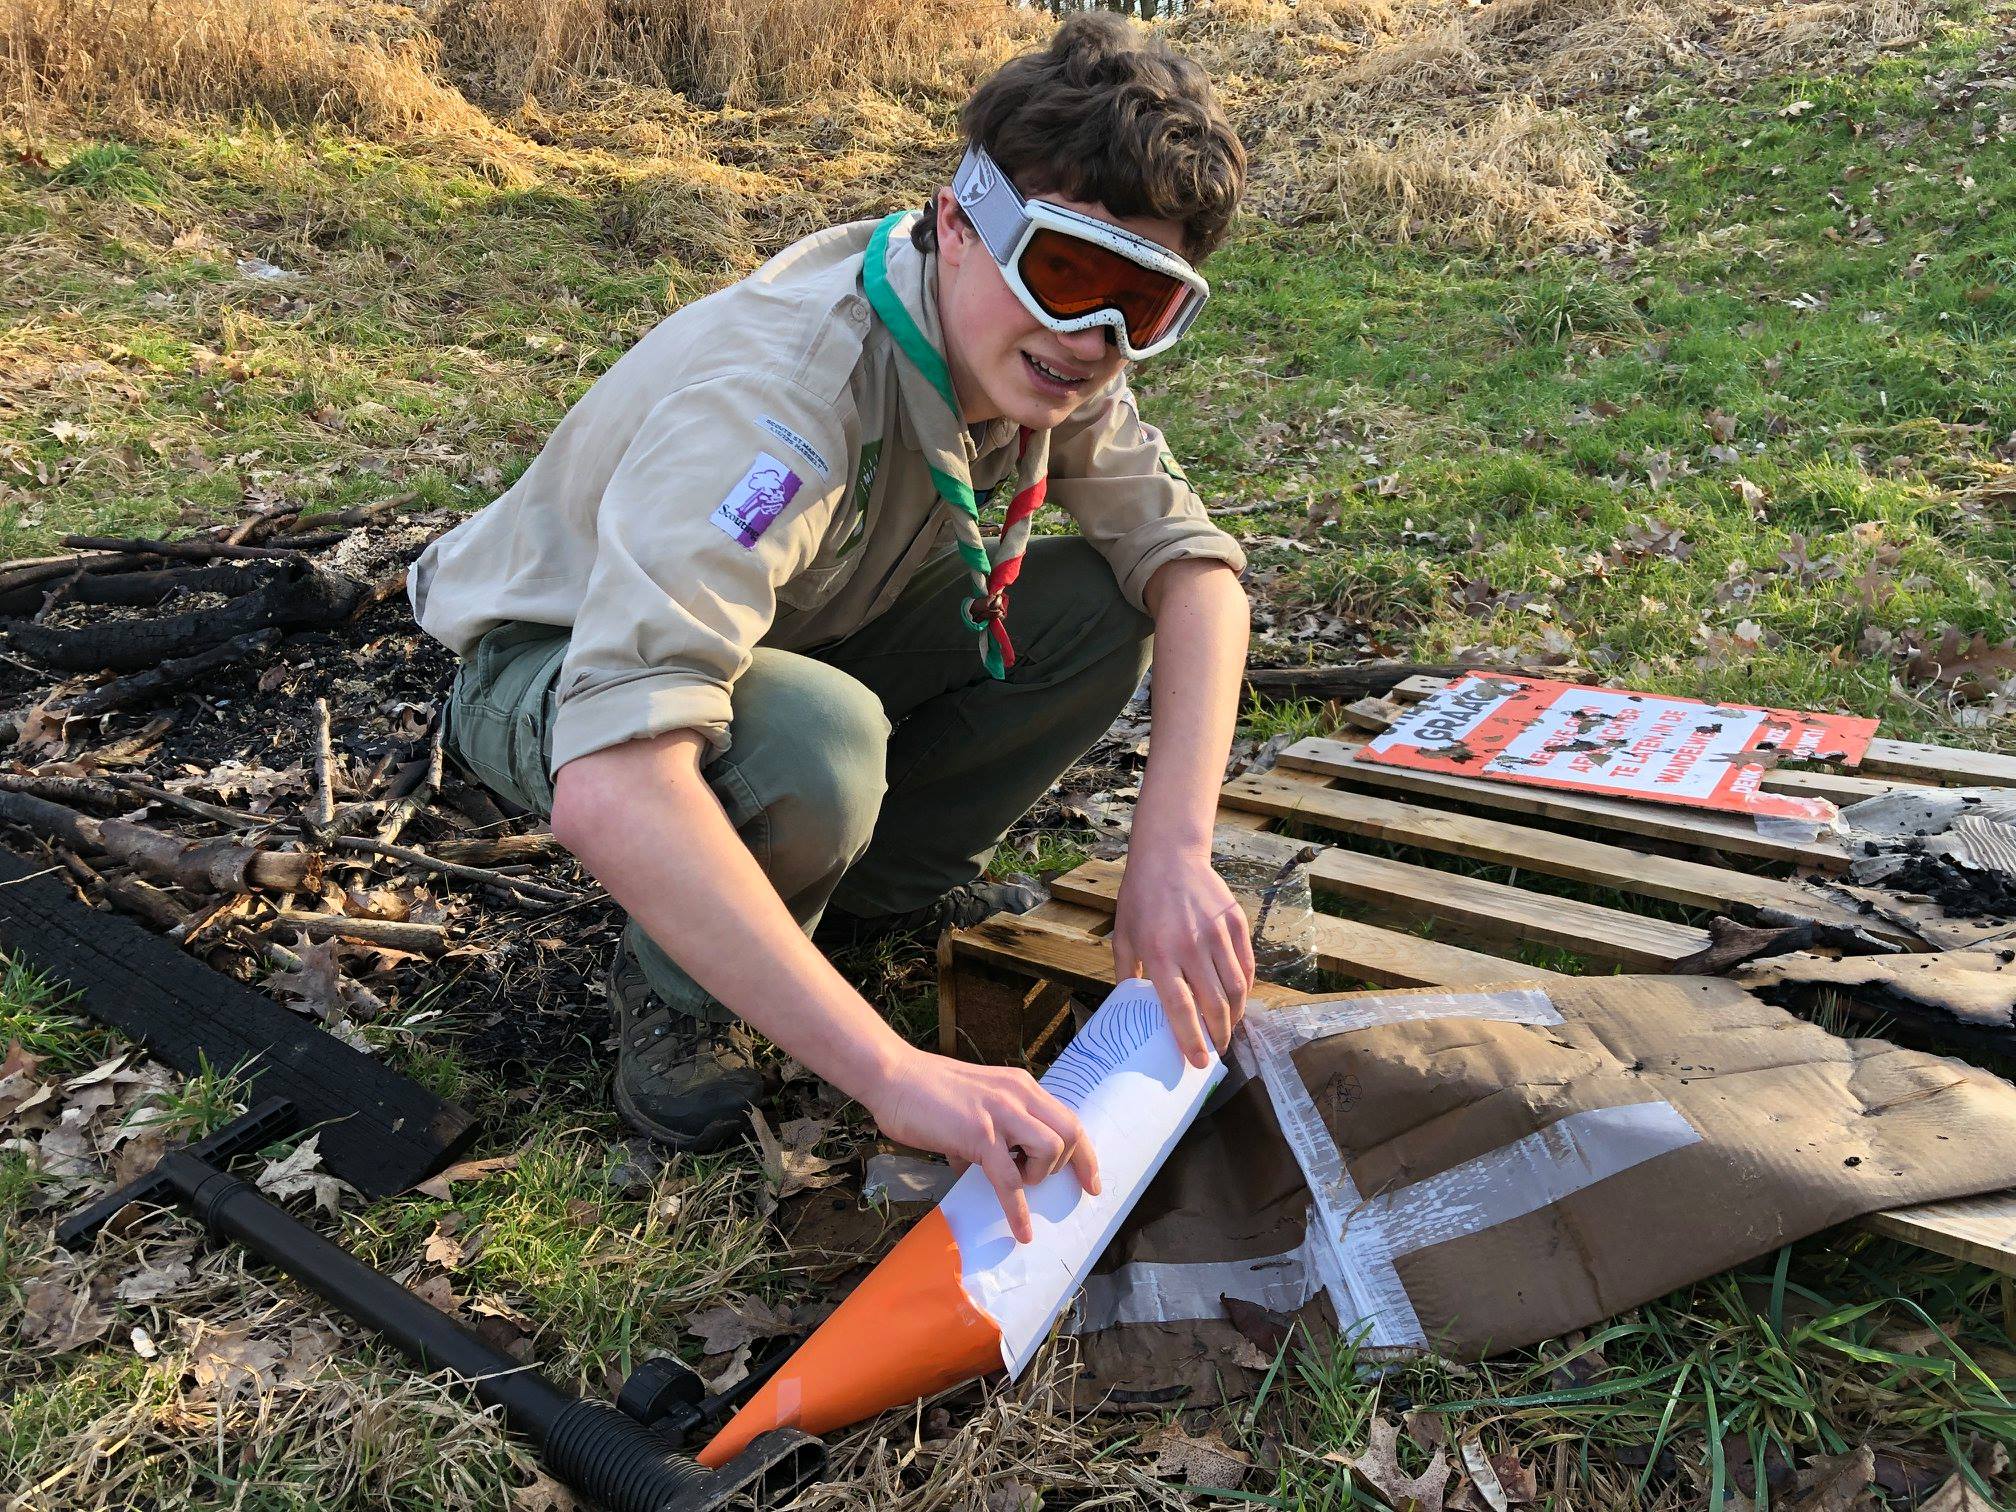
<point x="995" y="1117"/>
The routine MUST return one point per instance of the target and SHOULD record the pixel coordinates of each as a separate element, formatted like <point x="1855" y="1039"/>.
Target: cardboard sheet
<point x="1620" y="744"/>
<point x="1507" y="1176"/>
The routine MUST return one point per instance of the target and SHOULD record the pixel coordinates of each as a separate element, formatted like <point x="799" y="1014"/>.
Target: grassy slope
<point x="441" y="322"/>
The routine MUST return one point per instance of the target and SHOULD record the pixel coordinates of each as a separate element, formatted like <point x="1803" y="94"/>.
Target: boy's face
<point x="1005" y="362"/>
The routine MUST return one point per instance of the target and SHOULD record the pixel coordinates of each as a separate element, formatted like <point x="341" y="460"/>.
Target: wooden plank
<point x="1300" y="796"/>
<point x="1909" y="763"/>
<point x="1384" y="957"/>
<point x="1979" y="1229"/>
<point x="1661" y="821"/>
<point x="1596" y="933"/>
<point x="1950" y="765"/>
<point x="379" y="1131"/>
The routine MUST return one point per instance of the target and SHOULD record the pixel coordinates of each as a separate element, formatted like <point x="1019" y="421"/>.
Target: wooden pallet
<point x="1005" y="985"/>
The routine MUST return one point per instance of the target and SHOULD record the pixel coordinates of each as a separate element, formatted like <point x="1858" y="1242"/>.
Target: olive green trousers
<point x="874" y="773"/>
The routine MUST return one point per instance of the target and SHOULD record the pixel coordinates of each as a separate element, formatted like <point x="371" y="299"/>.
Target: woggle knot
<point x="983" y="613"/>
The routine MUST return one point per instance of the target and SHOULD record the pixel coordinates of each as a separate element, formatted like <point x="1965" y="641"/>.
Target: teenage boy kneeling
<point x="739" y="631"/>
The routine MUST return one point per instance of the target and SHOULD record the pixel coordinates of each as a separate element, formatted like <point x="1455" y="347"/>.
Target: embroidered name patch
<point x="752" y="504"/>
<point x="797" y="443"/>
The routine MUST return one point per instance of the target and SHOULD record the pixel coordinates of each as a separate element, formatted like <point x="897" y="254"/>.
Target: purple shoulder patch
<point x="757" y="500"/>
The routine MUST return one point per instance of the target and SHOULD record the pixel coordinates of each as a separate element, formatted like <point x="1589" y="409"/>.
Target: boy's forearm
<point x="1201" y="624"/>
<point x="643" y="821"/>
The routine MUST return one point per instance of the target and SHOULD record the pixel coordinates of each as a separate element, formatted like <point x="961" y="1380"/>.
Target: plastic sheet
<point x="1284" y="928"/>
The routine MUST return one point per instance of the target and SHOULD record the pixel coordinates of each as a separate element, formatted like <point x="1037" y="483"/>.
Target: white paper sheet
<point x="1136" y="1096"/>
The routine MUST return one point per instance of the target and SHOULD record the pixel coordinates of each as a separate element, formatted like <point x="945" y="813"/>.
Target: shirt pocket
<point x="840" y="551"/>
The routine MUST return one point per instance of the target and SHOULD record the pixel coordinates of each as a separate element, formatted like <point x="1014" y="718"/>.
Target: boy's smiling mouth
<point x="1053" y="378"/>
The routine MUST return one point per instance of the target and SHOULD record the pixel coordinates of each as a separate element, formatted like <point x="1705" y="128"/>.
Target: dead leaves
<point x="788" y="1162"/>
<point x="729" y="1333"/>
<point x="1206" y="1461"/>
<point x="301" y="1171"/>
<point x="440" y="1185"/>
<point x="1378" y="1465"/>
<point x="1649" y="538"/>
<point x="63" y="1310"/>
<point x="232" y="1362"/>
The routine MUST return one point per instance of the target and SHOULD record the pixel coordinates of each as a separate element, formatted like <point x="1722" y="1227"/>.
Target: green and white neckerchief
<point x="927" y="386"/>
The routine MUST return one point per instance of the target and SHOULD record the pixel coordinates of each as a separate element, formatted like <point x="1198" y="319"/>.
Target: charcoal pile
<point x="236" y="736"/>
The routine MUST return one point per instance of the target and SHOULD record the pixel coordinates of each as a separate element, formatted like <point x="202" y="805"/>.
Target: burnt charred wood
<point x="219" y="865"/>
<point x="300" y="597"/>
<point x="77" y="792"/>
<point x="499" y="850"/>
<point x="196" y="550"/>
<point x="1350" y="681"/>
<point x="178" y="672"/>
<point x="146" y="588"/>
<point x="1731" y="944"/>
<point x="24" y="584"/>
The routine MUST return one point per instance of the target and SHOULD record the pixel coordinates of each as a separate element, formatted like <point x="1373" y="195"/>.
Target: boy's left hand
<point x="1177" y="923"/>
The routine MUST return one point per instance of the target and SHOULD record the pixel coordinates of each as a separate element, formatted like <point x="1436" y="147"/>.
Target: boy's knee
<point x="834" y="793"/>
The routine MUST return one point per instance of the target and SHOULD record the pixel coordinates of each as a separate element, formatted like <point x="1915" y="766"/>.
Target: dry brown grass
<point x="1447" y="120"/>
<point x="734" y="52"/>
<point x="712" y="131"/>
<point x="368" y="68"/>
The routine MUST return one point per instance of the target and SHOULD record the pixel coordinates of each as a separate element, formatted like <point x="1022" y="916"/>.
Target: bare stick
<point x="406" y="808"/>
<point x="152" y="904"/>
<point x="323" y="815"/>
<point x="222" y="865"/>
<point x="537" y="891"/>
<point x="189" y="805"/>
<point x="423" y="938"/>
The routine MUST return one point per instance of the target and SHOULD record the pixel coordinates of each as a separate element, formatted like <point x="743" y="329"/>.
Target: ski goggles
<point x="1072" y="271"/>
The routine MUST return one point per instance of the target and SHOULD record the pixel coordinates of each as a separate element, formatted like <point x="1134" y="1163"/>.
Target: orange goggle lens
<point x="1071" y="277"/>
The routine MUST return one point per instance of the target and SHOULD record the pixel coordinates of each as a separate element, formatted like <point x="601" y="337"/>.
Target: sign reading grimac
<point x="1621" y="744"/>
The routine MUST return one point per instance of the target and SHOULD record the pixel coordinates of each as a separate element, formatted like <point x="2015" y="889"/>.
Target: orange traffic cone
<point x="908" y="1330"/>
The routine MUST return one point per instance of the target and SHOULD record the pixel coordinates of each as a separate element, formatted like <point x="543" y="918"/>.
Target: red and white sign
<point x="1619" y="744"/>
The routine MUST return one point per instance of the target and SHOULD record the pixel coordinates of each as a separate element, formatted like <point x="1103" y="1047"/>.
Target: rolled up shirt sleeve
<point x="1114" y="475"/>
<point x="715" y="504"/>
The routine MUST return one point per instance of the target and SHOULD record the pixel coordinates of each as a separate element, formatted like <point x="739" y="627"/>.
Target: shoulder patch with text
<point x="755" y="502"/>
<point x="797" y="443"/>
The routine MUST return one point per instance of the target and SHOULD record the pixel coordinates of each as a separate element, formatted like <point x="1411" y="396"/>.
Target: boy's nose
<point x="1087" y="346"/>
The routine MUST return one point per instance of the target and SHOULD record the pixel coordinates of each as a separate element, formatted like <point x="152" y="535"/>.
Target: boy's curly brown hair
<point x="1108" y="115"/>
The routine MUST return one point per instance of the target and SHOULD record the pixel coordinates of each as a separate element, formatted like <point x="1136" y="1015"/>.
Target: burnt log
<point x="299" y="597"/>
<point x="176" y="673"/>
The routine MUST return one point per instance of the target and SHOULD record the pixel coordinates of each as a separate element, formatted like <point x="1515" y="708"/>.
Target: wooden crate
<point x="1005" y="984"/>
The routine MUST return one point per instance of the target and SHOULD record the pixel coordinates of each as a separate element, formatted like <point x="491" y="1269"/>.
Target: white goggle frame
<point x="1006" y="223"/>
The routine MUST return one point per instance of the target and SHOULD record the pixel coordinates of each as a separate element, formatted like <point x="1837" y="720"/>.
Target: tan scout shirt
<point x="747" y="475"/>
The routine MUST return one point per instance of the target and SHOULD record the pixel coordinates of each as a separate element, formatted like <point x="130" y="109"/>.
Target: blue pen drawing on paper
<point x="1119" y="1029"/>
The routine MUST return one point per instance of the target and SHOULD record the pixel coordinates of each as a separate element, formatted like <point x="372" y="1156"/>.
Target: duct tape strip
<point x="1169" y="1291"/>
<point x="1351" y="1258"/>
<point x="1510" y="1182"/>
<point x="1522" y="1177"/>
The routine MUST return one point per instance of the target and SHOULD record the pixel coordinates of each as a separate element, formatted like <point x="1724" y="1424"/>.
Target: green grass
<point x="1492" y="440"/>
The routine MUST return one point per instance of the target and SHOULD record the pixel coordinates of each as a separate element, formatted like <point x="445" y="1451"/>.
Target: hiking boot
<point x="961" y="908"/>
<point x="679" y="1079"/>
